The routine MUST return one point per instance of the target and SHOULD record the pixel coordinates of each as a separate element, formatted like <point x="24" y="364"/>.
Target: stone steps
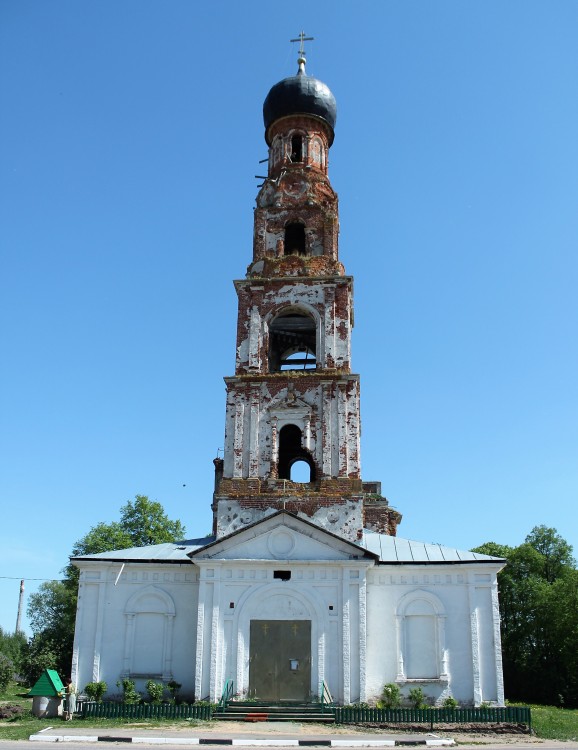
<point x="286" y="711"/>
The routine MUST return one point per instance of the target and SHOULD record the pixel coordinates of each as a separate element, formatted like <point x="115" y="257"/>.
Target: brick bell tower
<point x="293" y="403"/>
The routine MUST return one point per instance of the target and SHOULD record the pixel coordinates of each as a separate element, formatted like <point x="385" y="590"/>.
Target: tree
<point x="539" y="612"/>
<point x="52" y="609"/>
<point x="12" y="645"/>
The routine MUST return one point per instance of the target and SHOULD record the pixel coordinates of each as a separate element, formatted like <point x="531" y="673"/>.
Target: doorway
<point x="280" y="660"/>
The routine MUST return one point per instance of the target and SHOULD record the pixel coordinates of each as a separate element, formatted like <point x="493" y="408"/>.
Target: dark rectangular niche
<point x="282" y="575"/>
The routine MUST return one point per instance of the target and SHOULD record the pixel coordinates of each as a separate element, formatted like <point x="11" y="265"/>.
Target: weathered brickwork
<point x="293" y="397"/>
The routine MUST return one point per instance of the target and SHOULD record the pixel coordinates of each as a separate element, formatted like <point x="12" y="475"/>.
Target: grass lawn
<point x="552" y="723"/>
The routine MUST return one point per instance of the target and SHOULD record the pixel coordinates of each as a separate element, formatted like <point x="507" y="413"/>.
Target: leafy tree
<point x="40" y="655"/>
<point x="145" y="522"/>
<point x="142" y="522"/>
<point x="539" y="611"/>
<point x="13" y="645"/>
<point x="52" y="609"/>
<point x="6" y="672"/>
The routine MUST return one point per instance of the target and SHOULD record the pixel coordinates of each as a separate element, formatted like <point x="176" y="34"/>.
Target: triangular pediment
<point x="282" y="536"/>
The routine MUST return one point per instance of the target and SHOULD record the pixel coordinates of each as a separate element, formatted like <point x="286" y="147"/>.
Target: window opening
<point x="296" y="148"/>
<point x="291" y="452"/>
<point x="300" y="472"/>
<point x="292" y="343"/>
<point x="282" y="575"/>
<point x="295" y="239"/>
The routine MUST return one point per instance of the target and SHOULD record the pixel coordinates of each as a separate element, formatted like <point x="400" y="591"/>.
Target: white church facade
<point x="302" y="583"/>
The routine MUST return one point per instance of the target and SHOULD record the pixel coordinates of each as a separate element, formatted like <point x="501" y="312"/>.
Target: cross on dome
<point x="301" y="59"/>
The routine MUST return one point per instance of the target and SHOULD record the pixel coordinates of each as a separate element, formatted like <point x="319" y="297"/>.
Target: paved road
<point x="512" y="744"/>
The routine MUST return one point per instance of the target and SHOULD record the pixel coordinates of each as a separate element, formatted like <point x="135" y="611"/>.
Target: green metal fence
<point x="109" y="710"/>
<point x="431" y="716"/>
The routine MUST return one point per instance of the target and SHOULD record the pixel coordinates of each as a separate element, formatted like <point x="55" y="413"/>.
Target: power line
<point x="20" y="578"/>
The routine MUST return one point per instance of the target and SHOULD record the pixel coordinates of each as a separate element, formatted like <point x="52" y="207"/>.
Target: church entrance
<point x="280" y="660"/>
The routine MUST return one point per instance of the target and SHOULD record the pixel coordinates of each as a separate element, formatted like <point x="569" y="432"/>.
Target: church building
<point x="304" y="584"/>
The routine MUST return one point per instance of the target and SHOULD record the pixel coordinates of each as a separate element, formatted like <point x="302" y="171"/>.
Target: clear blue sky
<point x="130" y="133"/>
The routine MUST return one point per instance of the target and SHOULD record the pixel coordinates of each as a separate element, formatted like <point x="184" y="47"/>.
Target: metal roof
<point x="172" y="552"/>
<point x="395" y="550"/>
<point x="389" y="549"/>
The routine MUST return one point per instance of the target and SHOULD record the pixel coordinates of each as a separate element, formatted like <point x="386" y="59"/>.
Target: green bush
<point x="130" y="694"/>
<point x="155" y="691"/>
<point x="6" y="672"/>
<point x="174" y="688"/>
<point x="390" y="696"/>
<point x="95" y="690"/>
<point x="450" y="702"/>
<point x="416" y="697"/>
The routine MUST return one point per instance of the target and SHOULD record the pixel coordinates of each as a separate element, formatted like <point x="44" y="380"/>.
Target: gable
<point x="282" y="536"/>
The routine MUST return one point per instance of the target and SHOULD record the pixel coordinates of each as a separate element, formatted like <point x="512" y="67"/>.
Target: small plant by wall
<point x="156" y="691"/>
<point x="174" y="687"/>
<point x="96" y="690"/>
<point x="130" y="694"/>
<point x="390" y="696"/>
<point x="416" y="697"/>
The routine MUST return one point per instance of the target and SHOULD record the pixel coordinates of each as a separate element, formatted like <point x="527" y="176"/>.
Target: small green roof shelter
<point x="48" y="684"/>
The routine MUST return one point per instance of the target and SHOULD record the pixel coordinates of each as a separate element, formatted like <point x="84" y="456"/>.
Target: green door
<point x="280" y="660"/>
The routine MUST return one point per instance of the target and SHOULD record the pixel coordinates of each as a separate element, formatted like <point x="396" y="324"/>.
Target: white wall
<point x="150" y="603"/>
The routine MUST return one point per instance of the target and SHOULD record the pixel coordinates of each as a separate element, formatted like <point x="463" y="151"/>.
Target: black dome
<point x="300" y="95"/>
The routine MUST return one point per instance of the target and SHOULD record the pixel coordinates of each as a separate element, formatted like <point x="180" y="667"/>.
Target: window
<point x="291" y="452"/>
<point x="300" y="472"/>
<point x="282" y="575"/>
<point x="421" y="637"/>
<point x="149" y="616"/>
<point x="297" y="148"/>
<point x="295" y="239"/>
<point x="292" y="342"/>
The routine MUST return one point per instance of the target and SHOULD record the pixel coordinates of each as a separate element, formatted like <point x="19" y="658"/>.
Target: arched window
<point x="291" y="452"/>
<point x="421" y="623"/>
<point x="295" y="239"/>
<point x="296" y="148"/>
<point x="149" y="616"/>
<point x="300" y="471"/>
<point x="292" y="342"/>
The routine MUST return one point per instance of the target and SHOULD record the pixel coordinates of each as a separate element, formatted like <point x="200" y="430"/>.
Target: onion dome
<point x="300" y="95"/>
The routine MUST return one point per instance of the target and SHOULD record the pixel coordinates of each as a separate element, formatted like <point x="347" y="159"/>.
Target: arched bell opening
<point x="292" y="456"/>
<point x="292" y="342"/>
<point x="297" y="148"/>
<point x="295" y="239"/>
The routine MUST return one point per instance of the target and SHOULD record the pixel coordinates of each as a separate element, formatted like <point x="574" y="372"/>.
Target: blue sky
<point x="130" y="134"/>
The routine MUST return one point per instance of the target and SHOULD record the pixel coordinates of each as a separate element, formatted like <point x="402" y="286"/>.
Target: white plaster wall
<point x="101" y="645"/>
<point x="328" y="594"/>
<point x="466" y="651"/>
<point x="353" y="605"/>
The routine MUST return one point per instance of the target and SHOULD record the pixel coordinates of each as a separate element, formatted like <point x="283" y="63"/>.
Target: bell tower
<point x="293" y="403"/>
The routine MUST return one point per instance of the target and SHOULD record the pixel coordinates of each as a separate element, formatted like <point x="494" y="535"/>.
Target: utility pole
<point x="20" y="603"/>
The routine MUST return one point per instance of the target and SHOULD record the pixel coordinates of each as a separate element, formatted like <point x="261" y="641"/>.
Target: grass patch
<point x="551" y="723"/>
